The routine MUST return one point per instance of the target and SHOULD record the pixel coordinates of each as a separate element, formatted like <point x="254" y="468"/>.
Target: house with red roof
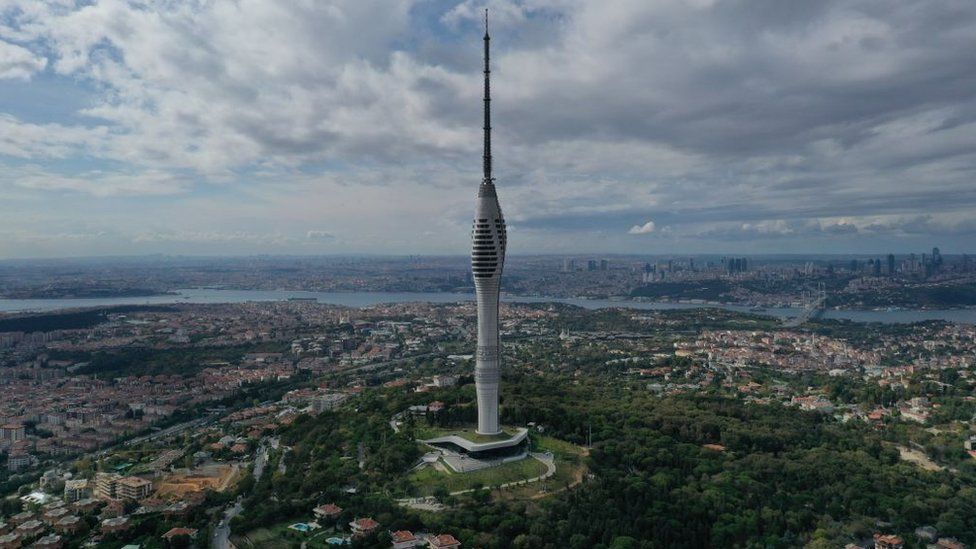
<point x="404" y="539"/>
<point x="888" y="541"/>
<point x="178" y="531"/>
<point x="443" y="541"/>
<point x="363" y="526"/>
<point x="327" y="511"/>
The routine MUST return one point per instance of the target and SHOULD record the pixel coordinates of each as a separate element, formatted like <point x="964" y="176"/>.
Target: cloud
<point x="210" y="237"/>
<point x="739" y="124"/>
<point x="46" y="141"/>
<point x="228" y="85"/>
<point x="18" y="62"/>
<point x="646" y="228"/>
<point x="319" y="235"/>
<point x="503" y="13"/>
<point x="98" y="183"/>
<point x="777" y="227"/>
<point x="840" y="227"/>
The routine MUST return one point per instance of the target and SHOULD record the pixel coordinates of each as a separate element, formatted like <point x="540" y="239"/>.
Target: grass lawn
<point x="559" y="448"/>
<point x="280" y="536"/>
<point x="262" y="537"/>
<point x="428" y="479"/>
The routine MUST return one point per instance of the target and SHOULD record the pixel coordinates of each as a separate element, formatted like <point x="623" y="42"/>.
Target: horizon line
<point x="368" y="255"/>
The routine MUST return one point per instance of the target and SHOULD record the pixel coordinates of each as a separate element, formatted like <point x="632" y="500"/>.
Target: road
<point x="281" y="461"/>
<point x="169" y="431"/>
<point x="260" y="459"/>
<point x="221" y="536"/>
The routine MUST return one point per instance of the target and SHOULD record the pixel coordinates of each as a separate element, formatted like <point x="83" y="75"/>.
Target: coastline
<point x="367" y="299"/>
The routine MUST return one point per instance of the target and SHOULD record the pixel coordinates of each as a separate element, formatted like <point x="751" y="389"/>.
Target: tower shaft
<point x="488" y="240"/>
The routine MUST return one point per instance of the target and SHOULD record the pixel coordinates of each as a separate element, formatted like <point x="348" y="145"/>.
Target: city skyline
<point x="665" y="128"/>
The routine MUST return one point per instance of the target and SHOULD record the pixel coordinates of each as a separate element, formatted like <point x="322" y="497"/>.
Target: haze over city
<point x="215" y="128"/>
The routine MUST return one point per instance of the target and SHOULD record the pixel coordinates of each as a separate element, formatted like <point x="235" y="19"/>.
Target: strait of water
<point x="365" y="299"/>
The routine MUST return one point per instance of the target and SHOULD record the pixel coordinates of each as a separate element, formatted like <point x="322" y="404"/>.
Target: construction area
<point x="216" y="477"/>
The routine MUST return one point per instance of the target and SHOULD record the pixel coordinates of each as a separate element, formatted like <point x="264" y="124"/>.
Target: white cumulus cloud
<point x="319" y="235"/>
<point x="646" y="228"/>
<point x="18" y="62"/>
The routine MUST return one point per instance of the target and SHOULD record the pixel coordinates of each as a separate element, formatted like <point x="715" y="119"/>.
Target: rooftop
<point x="473" y="442"/>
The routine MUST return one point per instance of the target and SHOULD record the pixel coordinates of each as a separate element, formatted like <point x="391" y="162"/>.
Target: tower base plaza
<point x="464" y="450"/>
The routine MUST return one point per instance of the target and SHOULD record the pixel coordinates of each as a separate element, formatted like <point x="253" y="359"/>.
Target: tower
<point x="488" y="241"/>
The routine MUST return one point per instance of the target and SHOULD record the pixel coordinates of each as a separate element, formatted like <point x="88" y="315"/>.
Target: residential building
<point x="363" y="526"/>
<point x="20" y="462"/>
<point x="106" y="485"/>
<point x="888" y="541"/>
<point x="11" y="541"/>
<point x="12" y="432"/>
<point x="76" y="490"/>
<point x="174" y="532"/>
<point x="50" y="541"/>
<point x="443" y="541"/>
<point x="114" y="525"/>
<point x="403" y="539"/>
<point x="328" y="511"/>
<point x="30" y="529"/>
<point x="133" y="488"/>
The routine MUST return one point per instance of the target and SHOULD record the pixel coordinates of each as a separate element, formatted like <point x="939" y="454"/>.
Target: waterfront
<point x="366" y="299"/>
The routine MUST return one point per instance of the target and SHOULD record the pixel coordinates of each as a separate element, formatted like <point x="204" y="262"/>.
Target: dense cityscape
<point x="922" y="280"/>
<point x="188" y="424"/>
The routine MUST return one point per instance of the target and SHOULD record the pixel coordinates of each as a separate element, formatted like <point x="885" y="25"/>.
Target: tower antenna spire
<point x="487" y="127"/>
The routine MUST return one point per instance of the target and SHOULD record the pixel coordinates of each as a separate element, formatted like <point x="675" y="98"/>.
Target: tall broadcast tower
<point x="487" y="260"/>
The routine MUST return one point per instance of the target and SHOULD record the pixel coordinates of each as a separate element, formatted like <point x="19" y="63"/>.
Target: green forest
<point x="786" y="478"/>
<point x="141" y="361"/>
<point x="73" y="320"/>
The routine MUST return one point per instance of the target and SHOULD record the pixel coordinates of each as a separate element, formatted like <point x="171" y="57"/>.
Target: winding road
<point x="221" y="536"/>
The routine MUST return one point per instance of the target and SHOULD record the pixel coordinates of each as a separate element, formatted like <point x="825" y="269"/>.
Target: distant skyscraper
<point x="891" y="264"/>
<point x="487" y="260"/>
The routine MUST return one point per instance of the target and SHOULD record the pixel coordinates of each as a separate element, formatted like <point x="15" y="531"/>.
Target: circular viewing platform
<point x="471" y="442"/>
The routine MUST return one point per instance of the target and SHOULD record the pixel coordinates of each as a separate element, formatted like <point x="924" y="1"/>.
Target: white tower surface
<point x="487" y="260"/>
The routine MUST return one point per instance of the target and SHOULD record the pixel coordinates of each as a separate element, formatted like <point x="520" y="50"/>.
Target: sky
<point x="206" y="127"/>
